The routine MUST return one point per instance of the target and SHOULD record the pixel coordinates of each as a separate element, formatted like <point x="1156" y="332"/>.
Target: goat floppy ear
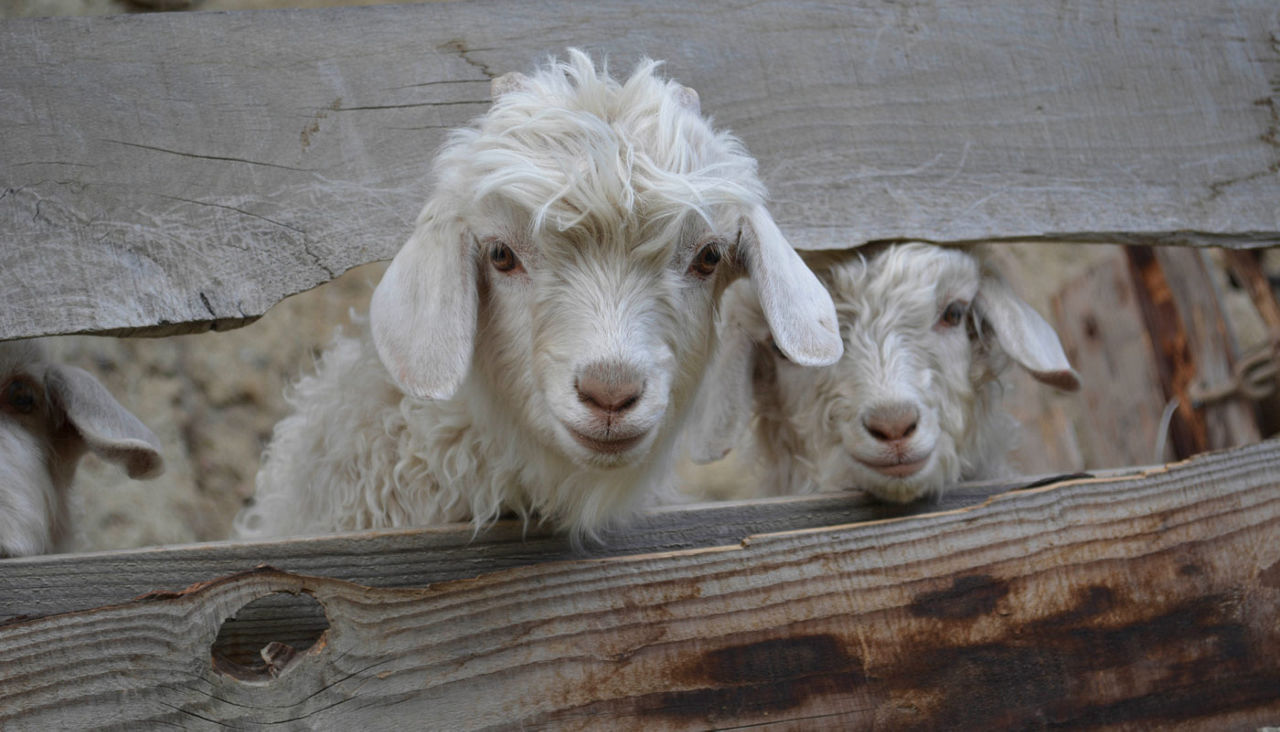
<point x="726" y="400"/>
<point x="1023" y="333"/>
<point x="105" y="427"/>
<point x="797" y="307"/>
<point x="423" y="312"/>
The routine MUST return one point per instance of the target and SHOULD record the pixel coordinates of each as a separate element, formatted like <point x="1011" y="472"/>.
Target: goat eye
<point x="954" y="314"/>
<point x="704" y="264"/>
<point x="503" y="259"/>
<point x="20" y="395"/>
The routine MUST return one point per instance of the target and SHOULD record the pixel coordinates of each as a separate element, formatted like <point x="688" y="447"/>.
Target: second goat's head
<point x="913" y="405"/>
<point x="568" y="264"/>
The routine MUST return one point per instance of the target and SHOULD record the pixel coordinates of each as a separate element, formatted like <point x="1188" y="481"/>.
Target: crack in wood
<point x="413" y="105"/>
<point x="198" y="156"/>
<point x="458" y="46"/>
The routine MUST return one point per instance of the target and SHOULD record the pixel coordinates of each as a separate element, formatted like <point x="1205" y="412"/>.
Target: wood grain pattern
<point x="60" y="583"/>
<point x="1148" y="602"/>
<point x="1214" y="350"/>
<point x="176" y="172"/>
<point x="1192" y="346"/>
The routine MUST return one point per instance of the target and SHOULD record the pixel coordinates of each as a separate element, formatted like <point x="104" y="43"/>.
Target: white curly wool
<point x="50" y="416"/>
<point x="535" y="345"/>
<point x="913" y="405"/>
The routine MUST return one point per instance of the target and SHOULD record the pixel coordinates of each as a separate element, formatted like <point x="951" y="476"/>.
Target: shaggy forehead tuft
<point x="580" y="150"/>
<point x="911" y="276"/>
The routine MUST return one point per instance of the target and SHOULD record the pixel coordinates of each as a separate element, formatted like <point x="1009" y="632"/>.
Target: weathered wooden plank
<point x="1214" y="350"/>
<point x="50" y="584"/>
<point x="1138" y="603"/>
<point x="1192" y="347"/>
<point x="184" y="171"/>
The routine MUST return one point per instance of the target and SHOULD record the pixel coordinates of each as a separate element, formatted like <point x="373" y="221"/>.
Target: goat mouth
<point x="897" y="469"/>
<point x="606" y="447"/>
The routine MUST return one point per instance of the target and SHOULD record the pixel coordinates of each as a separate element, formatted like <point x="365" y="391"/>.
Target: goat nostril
<point x="892" y="422"/>
<point x="603" y="396"/>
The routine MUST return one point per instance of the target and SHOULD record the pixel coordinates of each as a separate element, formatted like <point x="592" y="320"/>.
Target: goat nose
<point x="609" y="389"/>
<point x="892" y="421"/>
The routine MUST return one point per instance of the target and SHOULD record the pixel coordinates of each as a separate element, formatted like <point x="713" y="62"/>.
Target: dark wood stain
<point x="968" y="597"/>
<point x="748" y="679"/>
<point x="1270" y="577"/>
<point x="1205" y="661"/>
<point x="1158" y="664"/>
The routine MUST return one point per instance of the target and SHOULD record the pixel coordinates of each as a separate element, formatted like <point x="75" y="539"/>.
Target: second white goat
<point x="913" y="405"/>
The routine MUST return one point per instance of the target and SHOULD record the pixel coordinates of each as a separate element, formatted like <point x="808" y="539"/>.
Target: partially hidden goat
<point x="50" y="415"/>
<point x="534" y="347"/>
<point x="912" y="406"/>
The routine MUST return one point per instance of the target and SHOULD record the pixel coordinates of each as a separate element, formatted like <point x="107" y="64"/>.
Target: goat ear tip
<point x="816" y="354"/>
<point x="1064" y="379"/>
<point x="427" y="392"/>
<point x="151" y="467"/>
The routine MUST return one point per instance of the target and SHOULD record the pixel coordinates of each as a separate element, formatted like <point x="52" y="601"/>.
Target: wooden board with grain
<point x="1144" y="602"/>
<point x="176" y="172"/>
<point x="59" y="583"/>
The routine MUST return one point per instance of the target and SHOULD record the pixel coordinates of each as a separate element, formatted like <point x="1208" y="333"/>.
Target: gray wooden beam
<point x="59" y="583"/>
<point x="176" y="172"/>
<point x="1143" y="602"/>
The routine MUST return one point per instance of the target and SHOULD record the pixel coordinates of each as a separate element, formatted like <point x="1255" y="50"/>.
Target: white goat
<point x="50" y="415"/>
<point x="913" y="405"/>
<point x="546" y="326"/>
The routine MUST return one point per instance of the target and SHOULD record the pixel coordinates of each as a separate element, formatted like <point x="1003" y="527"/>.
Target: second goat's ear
<point x="1023" y="333"/>
<point x="423" y="312"/>
<point x="797" y="307"/>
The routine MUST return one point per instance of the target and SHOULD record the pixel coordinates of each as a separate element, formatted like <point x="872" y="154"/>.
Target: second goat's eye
<point x="954" y="314"/>
<point x="504" y="260"/>
<point x="20" y="395"/>
<point x="704" y="263"/>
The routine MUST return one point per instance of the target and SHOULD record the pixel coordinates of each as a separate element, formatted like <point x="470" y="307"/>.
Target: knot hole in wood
<point x="267" y="635"/>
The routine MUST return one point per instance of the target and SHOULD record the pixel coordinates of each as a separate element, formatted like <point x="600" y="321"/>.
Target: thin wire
<point x="1163" y="434"/>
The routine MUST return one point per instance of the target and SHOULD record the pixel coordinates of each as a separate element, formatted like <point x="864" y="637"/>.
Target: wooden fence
<point x="179" y="172"/>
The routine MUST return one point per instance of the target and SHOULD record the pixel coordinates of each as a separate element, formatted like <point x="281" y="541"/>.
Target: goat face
<point x="593" y="338"/>
<point x="569" y="261"/>
<point x="892" y="415"/>
<point x="910" y="407"/>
